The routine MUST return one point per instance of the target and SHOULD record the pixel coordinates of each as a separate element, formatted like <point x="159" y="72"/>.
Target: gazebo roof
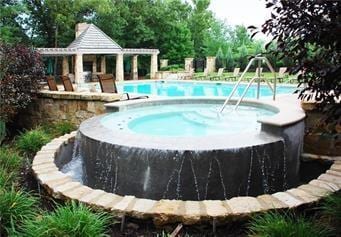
<point x="94" y="38"/>
<point x="93" y="41"/>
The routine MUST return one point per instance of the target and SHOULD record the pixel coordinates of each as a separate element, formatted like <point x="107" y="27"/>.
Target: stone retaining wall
<point x="50" y="106"/>
<point x="165" y="211"/>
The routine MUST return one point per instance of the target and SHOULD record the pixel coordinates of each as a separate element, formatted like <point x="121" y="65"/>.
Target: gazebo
<point x="90" y="42"/>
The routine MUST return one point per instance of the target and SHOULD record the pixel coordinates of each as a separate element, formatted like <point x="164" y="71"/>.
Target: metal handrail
<point x="260" y="59"/>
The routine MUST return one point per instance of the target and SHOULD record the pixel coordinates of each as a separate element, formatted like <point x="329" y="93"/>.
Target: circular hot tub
<point x="184" y="149"/>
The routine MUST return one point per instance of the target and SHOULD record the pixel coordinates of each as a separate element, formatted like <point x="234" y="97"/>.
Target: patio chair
<point x="67" y="83"/>
<point x="219" y="74"/>
<point x="108" y="85"/>
<point x="202" y="76"/>
<point x="281" y="74"/>
<point x="51" y="83"/>
<point x="234" y="76"/>
<point x="256" y="73"/>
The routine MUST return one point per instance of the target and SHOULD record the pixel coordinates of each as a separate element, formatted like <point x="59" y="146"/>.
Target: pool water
<point x="185" y="120"/>
<point x="178" y="88"/>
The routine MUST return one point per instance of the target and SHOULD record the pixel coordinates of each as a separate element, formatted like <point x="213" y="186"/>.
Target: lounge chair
<point x="51" y="83"/>
<point x="108" y="85"/>
<point x="281" y="74"/>
<point x="256" y="73"/>
<point x="205" y="75"/>
<point x="219" y="74"/>
<point x="67" y="83"/>
<point x="236" y="71"/>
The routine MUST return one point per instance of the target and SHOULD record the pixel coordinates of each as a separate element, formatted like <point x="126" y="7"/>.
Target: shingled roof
<point x="94" y="38"/>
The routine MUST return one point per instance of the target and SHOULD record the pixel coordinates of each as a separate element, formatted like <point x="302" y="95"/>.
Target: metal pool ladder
<point x="260" y="59"/>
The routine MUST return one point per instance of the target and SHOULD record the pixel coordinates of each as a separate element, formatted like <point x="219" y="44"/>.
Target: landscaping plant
<point x="30" y="142"/>
<point x="70" y="220"/>
<point x="276" y="224"/>
<point x="15" y="207"/>
<point x="10" y="160"/>
<point x="309" y="33"/>
<point x="21" y="70"/>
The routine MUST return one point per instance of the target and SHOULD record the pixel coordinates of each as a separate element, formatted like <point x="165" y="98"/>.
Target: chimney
<point x="80" y="27"/>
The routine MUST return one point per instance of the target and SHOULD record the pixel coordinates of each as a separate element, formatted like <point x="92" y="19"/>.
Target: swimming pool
<point x="193" y="89"/>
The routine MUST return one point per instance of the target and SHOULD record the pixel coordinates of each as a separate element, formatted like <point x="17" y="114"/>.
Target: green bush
<point x="10" y="160"/>
<point x="59" y="129"/>
<point x="15" y="207"/>
<point x="173" y="67"/>
<point x="275" y="224"/>
<point x="332" y="207"/>
<point x="71" y="220"/>
<point x="30" y="142"/>
<point x="6" y="179"/>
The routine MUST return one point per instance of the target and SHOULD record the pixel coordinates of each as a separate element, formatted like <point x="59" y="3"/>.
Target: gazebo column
<point x="94" y="65"/>
<point x="103" y="65"/>
<point x="79" y="68"/>
<point x="153" y="66"/>
<point x="65" y="71"/>
<point x="134" y="71"/>
<point x="119" y="67"/>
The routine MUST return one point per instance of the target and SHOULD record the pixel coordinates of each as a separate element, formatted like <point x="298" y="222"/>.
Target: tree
<point x="199" y="23"/>
<point x="309" y="33"/>
<point x="10" y="19"/>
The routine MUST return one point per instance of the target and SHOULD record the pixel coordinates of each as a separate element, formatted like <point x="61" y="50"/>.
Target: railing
<point x="260" y="60"/>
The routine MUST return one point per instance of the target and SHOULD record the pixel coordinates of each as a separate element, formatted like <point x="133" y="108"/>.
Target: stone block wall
<point x="69" y="106"/>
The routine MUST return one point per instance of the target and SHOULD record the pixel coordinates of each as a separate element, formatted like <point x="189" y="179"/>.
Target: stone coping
<point x="287" y="113"/>
<point x="61" y="186"/>
<point x="81" y="95"/>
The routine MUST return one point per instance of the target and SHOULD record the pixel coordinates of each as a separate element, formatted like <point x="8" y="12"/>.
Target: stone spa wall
<point x="56" y="106"/>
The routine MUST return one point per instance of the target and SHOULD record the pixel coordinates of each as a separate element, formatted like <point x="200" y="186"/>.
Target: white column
<point x="153" y="66"/>
<point x="119" y="67"/>
<point x="134" y="71"/>
<point x="103" y="65"/>
<point x="79" y="68"/>
<point x="65" y="71"/>
<point x="94" y="65"/>
<point x="163" y="63"/>
<point x="188" y="64"/>
<point x="210" y="64"/>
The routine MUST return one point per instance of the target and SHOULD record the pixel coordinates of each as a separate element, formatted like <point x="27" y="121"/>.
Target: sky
<point x="245" y="12"/>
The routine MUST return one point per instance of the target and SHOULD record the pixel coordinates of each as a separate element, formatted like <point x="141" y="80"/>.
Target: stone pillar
<point x="163" y="63"/>
<point x="188" y="64"/>
<point x="153" y="66"/>
<point x="103" y="65"/>
<point x="79" y="78"/>
<point x="134" y="71"/>
<point x="119" y="67"/>
<point x="65" y="71"/>
<point x="210" y="64"/>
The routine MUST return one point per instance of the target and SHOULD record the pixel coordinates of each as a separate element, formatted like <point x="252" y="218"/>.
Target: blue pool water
<point x="179" y="89"/>
<point x="185" y="120"/>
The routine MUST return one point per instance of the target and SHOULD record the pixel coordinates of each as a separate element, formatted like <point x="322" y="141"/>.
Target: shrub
<point x="275" y="224"/>
<point x="10" y="160"/>
<point x="71" y="220"/>
<point x="332" y="207"/>
<point x="15" y="207"/>
<point x="173" y="67"/>
<point x="21" y="69"/>
<point x="6" y="179"/>
<point x="30" y="142"/>
<point x="59" y="128"/>
<point x="308" y="32"/>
